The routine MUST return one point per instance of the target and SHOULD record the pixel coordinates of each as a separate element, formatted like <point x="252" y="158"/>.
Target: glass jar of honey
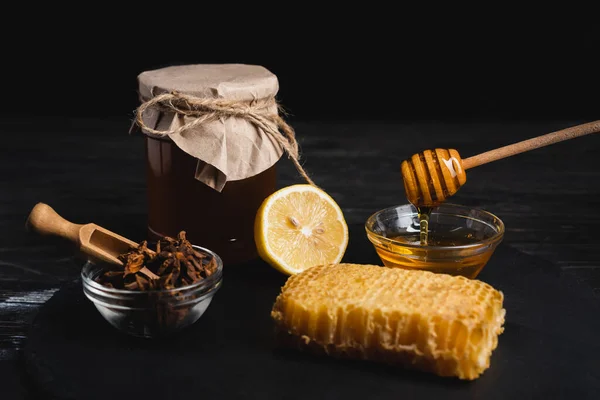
<point x="212" y="142"/>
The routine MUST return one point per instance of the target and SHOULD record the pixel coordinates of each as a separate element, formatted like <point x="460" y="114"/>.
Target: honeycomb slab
<point x="447" y="325"/>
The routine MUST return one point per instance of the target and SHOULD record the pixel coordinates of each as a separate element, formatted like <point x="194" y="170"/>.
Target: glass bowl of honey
<point x="459" y="240"/>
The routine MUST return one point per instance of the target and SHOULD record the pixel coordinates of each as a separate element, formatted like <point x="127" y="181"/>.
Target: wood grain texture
<point x="92" y="170"/>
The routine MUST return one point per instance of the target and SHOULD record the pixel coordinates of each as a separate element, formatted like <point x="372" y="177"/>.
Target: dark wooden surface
<point x="92" y="171"/>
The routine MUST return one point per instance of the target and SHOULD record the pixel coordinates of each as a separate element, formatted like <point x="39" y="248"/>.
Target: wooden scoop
<point x="432" y="176"/>
<point x="98" y="243"/>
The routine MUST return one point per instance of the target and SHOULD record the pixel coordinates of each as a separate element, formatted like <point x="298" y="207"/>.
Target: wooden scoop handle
<point x="530" y="144"/>
<point x="45" y="221"/>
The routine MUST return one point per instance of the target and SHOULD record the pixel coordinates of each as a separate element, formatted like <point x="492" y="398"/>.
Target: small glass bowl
<point x="152" y="313"/>
<point x="462" y="239"/>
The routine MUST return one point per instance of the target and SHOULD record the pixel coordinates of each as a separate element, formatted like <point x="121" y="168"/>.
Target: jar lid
<point x="228" y="81"/>
<point x="224" y="115"/>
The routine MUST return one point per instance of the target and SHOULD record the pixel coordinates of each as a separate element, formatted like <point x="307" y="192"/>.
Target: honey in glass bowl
<point x="461" y="239"/>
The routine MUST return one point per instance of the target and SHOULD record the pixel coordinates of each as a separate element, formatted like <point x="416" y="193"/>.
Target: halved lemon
<point x="298" y="227"/>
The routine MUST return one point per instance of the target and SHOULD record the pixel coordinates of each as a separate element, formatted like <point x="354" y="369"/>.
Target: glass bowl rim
<point x="202" y="284"/>
<point x="495" y="238"/>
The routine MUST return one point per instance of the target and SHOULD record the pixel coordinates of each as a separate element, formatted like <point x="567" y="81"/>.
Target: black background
<point x="358" y="63"/>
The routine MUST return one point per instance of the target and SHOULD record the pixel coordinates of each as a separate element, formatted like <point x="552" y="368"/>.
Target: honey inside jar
<point x="221" y="221"/>
<point x="213" y="137"/>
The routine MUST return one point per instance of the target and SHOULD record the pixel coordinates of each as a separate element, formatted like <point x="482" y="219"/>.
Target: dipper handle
<point x="531" y="144"/>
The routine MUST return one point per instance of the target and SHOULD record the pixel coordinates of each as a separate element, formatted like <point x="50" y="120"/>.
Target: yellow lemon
<point x="298" y="227"/>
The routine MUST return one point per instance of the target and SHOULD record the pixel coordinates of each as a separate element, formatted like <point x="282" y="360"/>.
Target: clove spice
<point x="174" y="264"/>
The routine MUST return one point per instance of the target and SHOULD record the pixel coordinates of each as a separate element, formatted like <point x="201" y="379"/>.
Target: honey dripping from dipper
<point x="424" y="214"/>
<point x="430" y="178"/>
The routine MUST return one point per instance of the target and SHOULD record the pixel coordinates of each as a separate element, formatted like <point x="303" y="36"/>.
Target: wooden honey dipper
<point x="432" y="176"/>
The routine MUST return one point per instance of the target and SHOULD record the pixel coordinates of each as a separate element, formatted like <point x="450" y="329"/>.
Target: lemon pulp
<point x="299" y="227"/>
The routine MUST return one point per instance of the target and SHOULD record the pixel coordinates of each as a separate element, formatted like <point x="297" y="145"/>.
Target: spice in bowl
<point x="155" y="293"/>
<point x="175" y="263"/>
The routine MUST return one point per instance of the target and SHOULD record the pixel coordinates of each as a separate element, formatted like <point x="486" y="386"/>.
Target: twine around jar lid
<point x="225" y="115"/>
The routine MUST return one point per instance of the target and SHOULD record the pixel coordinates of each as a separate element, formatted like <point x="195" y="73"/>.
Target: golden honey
<point x="424" y="213"/>
<point x="405" y="251"/>
<point x="460" y="239"/>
